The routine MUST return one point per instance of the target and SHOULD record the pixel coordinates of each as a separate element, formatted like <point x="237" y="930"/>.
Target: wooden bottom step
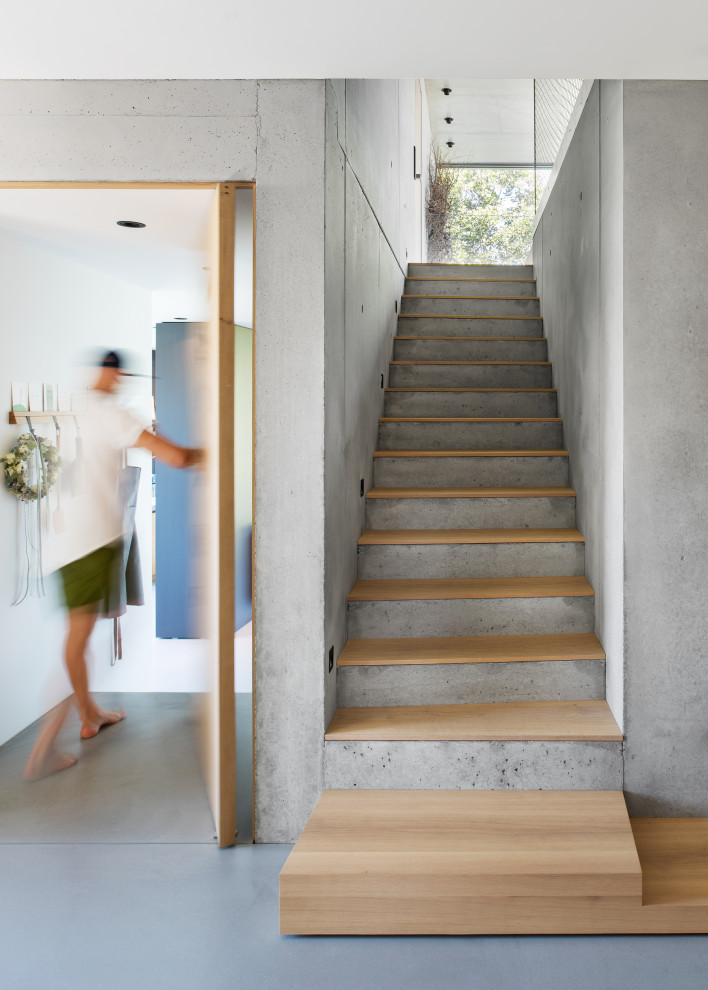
<point x="589" y="720"/>
<point x="492" y="863"/>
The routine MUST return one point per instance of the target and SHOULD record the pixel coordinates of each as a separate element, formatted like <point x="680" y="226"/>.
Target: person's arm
<point x="169" y="453"/>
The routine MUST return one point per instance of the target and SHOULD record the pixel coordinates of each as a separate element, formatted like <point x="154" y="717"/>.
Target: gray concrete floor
<point x="145" y="908"/>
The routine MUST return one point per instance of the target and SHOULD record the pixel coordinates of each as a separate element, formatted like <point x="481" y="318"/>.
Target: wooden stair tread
<point x="535" y="491"/>
<point x="542" y="364"/>
<point x="435" y="537"/>
<point x="470" y="419"/>
<point x="531" y="721"/>
<point x="508" y="340"/>
<point x="470" y="453"/>
<point x="541" y="833"/>
<point x="454" y="589"/>
<point x="504" y="298"/>
<point x="673" y="853"/>
<point x="434" y="278"/>
<point x="470" y="649"/>
<point x="439" y="388"/>
<point x="456" y="316"/>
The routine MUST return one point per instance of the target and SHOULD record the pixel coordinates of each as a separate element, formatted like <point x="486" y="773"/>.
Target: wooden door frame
<point x="226" y="811"/>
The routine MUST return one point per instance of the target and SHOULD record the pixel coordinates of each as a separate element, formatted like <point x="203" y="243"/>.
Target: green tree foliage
<point x="490" y="216"/>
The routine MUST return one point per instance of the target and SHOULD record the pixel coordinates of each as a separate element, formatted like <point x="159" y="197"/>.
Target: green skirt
<point x="88" y="581"/>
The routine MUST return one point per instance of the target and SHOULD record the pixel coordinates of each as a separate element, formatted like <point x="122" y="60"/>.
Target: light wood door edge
<point x="226" y="826"/>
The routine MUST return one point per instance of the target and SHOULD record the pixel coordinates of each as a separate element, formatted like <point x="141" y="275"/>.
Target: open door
<point x="213" y="515"/>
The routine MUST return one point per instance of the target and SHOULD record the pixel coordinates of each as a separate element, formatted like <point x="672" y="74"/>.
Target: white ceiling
<point x="166" y="256"/>
<point x="232" y="39"/>
<point x="492" y="119"/>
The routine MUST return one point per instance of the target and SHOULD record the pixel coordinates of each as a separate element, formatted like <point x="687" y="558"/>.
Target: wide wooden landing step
<point x="492" y="863"/>
<point x="470" y="649"/>
<point x="526" y="721"/>
<point x="449" y="537"/>
<point x="442" y="589"/>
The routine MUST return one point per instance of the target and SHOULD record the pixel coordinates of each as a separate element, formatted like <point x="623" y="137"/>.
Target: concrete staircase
<point x="471" y="660"/>
<point x="473" y="770"/>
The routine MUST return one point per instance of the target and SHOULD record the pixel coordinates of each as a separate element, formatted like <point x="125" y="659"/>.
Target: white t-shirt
<point x="90" y="501"/>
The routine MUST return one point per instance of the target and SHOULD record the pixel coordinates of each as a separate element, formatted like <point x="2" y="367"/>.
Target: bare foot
<point x="54" y="761"/>
<point x="98" y="720"/>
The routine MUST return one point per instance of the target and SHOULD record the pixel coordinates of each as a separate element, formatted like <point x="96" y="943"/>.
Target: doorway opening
<point x="76" y="281"/>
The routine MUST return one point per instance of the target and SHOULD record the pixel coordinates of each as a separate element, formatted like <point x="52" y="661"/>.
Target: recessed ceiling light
<point x="129" y="223"/>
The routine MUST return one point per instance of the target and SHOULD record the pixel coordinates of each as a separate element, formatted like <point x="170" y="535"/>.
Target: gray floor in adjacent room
<point x="108" y="880"/>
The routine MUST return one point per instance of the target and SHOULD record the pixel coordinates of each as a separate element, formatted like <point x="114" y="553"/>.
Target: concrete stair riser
<point x="468" y="513"/>
<point x="452" y="306"/>
<point x="471" y="436"/>
<point x="411" y="472"/>
<point x="438" y="403"/>
<point x="506" y="349"/>
<point x="470" y="617"/>
<point x="471" y="375"/>
<point x="440" y="327"/>
<point x="474" y="683"/>
<point x="510" y="272"/>
<point x="567" y="765"/>
<point x="449" y="287"/>
<point x="471" y="560"/>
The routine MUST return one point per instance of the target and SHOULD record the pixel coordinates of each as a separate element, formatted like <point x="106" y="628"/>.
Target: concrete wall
<point x="52" y="312"/>
<point x="578" y="261"/>
<point x="624" y="300"/>
<point x="666" y="453"/>
<point x="272" y="132"/>
<point x="372" y="231"/>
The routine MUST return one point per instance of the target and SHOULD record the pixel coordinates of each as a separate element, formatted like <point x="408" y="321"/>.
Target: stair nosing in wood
<point x="469" y="589"/>
<point x="501" y="298"/>
<point x="461" y="388"/>
<point x="491" y="491"/>
<point x="470" y="453"/>
<point x="456" y="316"/>
<point x="447" y="722"/>
<point x="430" y="650"/>
<point x="469" y="537"/>
<point x="544" y="364"/>
<point x="470" y="419"/>
<point x="507" y="340"/>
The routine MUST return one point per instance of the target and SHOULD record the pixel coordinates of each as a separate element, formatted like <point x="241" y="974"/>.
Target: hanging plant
<point x="437" y="207"/>
<point x="17" y="467"/>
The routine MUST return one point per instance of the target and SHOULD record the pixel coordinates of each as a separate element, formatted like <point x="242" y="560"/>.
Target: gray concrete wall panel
<point x="665" y="451"/>
<point x="463" y="684"/>
<point x="578" y="263"/>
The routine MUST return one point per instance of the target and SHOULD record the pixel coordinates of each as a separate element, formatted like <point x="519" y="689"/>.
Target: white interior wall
<point x="52" y="310"/>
